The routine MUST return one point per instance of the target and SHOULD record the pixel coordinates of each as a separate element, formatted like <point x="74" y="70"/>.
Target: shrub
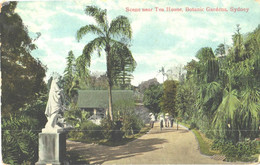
<point x="193" y="125"/>
<point x="241" y="151"/>
<point x="111" y="131"/>
<point x="91" y="130"/>
<point x="132" y="123"/>
<point x="76" y="134"/>
<point x="36" y="110"/>
<point x="75" y="116"/>
<point x="108" y="126"/>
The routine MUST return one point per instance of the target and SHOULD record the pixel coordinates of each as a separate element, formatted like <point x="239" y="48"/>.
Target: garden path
<point x="168" y="146"/>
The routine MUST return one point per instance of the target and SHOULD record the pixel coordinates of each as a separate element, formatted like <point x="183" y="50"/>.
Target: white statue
<point x="55" y="106"/>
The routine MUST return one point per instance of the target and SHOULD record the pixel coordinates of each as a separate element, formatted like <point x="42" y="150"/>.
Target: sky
<point x="160" y="38"/>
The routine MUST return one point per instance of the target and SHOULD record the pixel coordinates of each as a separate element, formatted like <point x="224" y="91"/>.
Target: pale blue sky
<point x="159" y="38"/>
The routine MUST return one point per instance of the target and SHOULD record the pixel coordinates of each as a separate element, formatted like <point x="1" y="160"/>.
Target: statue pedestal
<point x="52" y="148"/>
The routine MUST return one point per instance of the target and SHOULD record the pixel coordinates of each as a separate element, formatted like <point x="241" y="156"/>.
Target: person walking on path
<point x="162" y="119"/>
<point x="167" y="120"/>
<point x="152" y="119"/>
<point x="171" y="120"/>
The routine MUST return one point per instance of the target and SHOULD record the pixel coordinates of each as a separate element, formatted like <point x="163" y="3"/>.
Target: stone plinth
<point x="52" y="148"/>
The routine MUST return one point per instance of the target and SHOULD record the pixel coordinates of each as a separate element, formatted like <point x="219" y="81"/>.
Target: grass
<point x="204" y="142"/>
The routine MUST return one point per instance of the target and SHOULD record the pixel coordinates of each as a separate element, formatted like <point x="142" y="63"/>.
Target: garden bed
<point x="124" y="140"/>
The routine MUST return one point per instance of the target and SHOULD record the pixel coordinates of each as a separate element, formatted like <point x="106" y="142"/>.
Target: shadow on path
<point x="98" y="154"/>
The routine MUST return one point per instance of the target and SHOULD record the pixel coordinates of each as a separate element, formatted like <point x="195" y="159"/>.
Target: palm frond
<point x="226" y="112"/>
<point x="250" y="107"/>
<point x="96" y="44"/>
<point x="228" y="107"/>
<point x="88" y="28"/>
<point x="212" y="90"/>
<point x="98" y="14"/>
<point x="120" y="26"/>
<point x="82" y="67"/>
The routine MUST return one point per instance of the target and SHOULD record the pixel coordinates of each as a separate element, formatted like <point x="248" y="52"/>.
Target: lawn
<point x="204" y="142"/>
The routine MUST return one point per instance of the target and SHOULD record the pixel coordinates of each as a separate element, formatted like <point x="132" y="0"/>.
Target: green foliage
<point x="250" y="112"/>
<point x="205" y="54"/>
<point x="108" y="129"/>
<point x="123" y="65"/>
<point x="91" y="130"/>
<point x="185" y="101"/>
<point x="146" y="84"/>
<point x="220" y="50"/>
<point x="22" y="75"/>
<point x="241" y="151"/>
<point x="131" y="123"/>
<point x="36" y="111"/>
<point x="224" y="89"/>
<point x="19" y="140"/>
<point x="82" y="127"/>
<point x="20" y="132"/>
<point x="203" y="145"/>
<point x="193" y="125"/>
<point x="69" y="75"/>
<point x="225" y="115"/>
<point x="96" y="82"/>
<point x="152" y="98"/>
<point x="75" y="116"/>
<point x="168" y="100"/>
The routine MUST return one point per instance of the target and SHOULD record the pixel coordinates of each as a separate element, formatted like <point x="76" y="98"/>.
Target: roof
<point x="99" y="98"/>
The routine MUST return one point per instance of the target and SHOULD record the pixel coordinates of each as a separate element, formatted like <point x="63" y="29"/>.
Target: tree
<point x="108" y="35"/>
<point x="163" y="72"/>
<point x="205" y="54"/>
<point x="22" y="75"/>
<point x="220" y="50"/>
<point x="145" y="84"/>
<point x="152" y="98"/>
<point x="185" y="101"/>
<point x="237" y="45"/>
<point x="69" y="73"/>
<point x="168" y="100"/>
<point x="226" y="89"/>
<point x="123" y="65"/>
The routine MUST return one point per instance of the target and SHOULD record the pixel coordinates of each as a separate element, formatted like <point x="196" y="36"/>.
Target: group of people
<point x="165" y="120"/>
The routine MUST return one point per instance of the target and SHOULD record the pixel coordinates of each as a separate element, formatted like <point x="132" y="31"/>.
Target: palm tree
<point x="108" y="35"/>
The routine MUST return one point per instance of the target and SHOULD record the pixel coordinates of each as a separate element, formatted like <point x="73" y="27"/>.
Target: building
<point x="96" y="101"/>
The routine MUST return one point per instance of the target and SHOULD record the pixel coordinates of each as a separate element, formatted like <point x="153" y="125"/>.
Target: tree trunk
<point x="109" y="77"/>
<point x="110" y="102"/>
<point x="124" y="79"/>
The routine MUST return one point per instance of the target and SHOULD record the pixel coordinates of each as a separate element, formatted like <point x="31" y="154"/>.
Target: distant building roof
<point x="99" y="98"/>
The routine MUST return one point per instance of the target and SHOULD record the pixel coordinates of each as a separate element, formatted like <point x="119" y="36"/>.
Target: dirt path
<point x="168" y="146"/>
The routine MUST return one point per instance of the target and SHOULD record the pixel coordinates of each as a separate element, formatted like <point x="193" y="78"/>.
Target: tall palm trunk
<point x="110" y="108"/>
<point x="110" y="102"/>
